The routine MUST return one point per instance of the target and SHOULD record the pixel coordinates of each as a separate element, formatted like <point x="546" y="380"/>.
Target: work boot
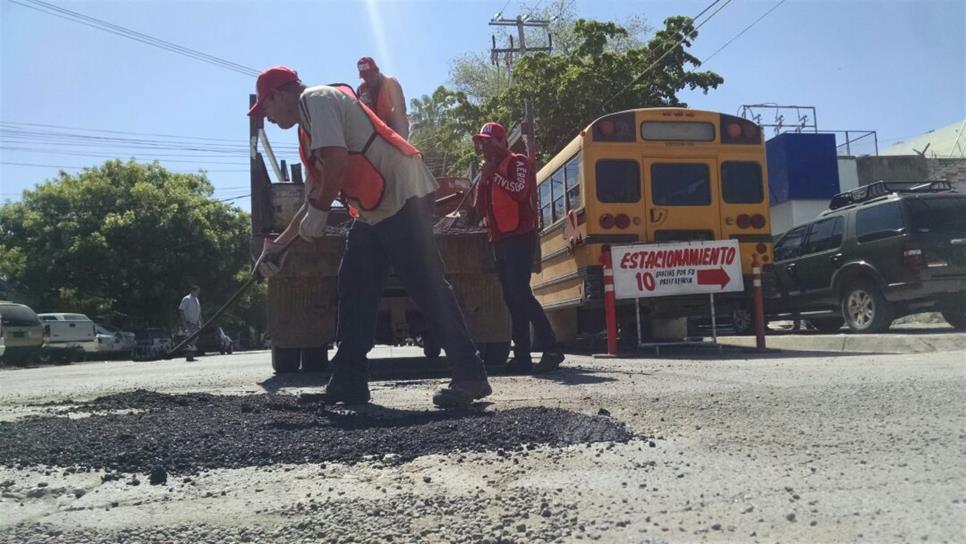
<point x="347" y="386"/>
<point x="551" y="360"/>
<point x="519" y="365"/>
<point x="462" y="393"/>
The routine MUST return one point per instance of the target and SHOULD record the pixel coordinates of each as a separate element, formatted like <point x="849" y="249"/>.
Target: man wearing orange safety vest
<point x="349" y="152"/>
<point x="383" y="94"/>
<point x="505" y="198"/>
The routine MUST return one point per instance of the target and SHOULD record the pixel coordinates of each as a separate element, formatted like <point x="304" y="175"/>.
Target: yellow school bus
<point x="649" y="175"/>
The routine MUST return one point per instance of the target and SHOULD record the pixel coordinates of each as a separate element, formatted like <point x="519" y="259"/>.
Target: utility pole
<point x="521" y="23"/>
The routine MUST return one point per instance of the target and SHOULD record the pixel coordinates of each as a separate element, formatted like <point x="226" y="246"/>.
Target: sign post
<point x="686" y="268"/>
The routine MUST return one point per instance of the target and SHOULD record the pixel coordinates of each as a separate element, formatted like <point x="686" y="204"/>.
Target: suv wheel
<point x="956" y="318"/>
<point x="865" y="309"/>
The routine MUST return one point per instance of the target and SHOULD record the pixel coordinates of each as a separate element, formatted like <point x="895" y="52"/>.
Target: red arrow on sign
<point x="715" y="276"/>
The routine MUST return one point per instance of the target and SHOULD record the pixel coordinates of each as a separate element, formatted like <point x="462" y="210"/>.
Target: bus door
<point x="681" y="199"/>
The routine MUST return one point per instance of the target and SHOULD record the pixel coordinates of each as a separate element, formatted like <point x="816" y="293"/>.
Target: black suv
<point x="878" y="253"/>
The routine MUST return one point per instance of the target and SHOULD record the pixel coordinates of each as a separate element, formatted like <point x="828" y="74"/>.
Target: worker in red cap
<point x="384" y="95"/>
<point x="506" y="200"/>
<point x="350" y="153"/>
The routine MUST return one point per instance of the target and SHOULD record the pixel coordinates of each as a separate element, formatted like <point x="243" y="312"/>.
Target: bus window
<point x="546" y="218"/>
<point x="680" y="184"/>
<point x="618" y="180"/>
<point x="741" y="183"/>
<point x="572" y="171"/>
<point x="559" y="194"/>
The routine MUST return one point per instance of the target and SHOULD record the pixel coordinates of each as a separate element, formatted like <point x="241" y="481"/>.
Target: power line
<point x="124" y="32"/>
<point x="705" y="10"/>
<point x="499" y="13"/>
<point x="107" y="156"/>
<point x="76" y="167"/>
<point x="668" y="51"/>
<point x="738" y="35"/>
<point x="42" y="125"/>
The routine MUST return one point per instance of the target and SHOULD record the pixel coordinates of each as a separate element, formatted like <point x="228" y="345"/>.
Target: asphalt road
<point x="789" y="447"/>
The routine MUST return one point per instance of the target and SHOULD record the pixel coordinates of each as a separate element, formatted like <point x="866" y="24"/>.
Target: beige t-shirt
<point x="334" y="119"/>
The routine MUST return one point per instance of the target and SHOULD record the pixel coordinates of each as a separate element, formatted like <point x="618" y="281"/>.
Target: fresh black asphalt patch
<point x="186" y="434"/>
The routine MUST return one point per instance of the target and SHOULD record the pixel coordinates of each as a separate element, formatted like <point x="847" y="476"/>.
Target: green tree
<point x="570" y="90"/>
<point x="476" y="76"/>
<point x="124" y="238"/>
<point x="441" y="128"/>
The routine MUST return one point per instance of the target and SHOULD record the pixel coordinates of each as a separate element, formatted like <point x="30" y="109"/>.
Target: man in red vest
<point x="506" y="199"/>
<point x="384" y="95"/>
<point x="350" y="153"/>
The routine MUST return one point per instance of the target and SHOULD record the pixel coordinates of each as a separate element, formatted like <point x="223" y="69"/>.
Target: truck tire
<point x="285" y="360"/>
<point x="864" y="309"/>
<point x="495" y="353"/>
<point x="315" y="359"/>
<point x="956" y="318"/>
<point x="431" y="348"/>
<point x="827" y="324"/>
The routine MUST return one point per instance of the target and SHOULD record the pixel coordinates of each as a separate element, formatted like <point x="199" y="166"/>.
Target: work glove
<point x="269" y="261"/>
<point x="313" y="224"/>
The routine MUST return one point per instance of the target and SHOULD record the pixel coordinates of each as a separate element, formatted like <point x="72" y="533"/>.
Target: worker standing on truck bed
<point x="384" y="95"/>
<point x="505" y="199"/>
<point x="352" y="153"/>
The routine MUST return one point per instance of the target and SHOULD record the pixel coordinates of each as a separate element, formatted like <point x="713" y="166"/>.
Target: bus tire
<point x="827" y="325"/>
<point x="285" y="360"/>
<point x="955" y="317"/>
<point x="742" y="321"/>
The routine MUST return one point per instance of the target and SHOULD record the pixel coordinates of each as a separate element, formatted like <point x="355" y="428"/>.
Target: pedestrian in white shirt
<point x="190" y="310"/>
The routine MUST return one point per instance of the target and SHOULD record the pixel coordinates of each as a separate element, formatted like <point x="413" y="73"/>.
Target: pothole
<point x="192" y="432"/>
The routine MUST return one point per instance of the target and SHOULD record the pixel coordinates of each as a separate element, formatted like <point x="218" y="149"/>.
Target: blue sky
<point x="893" y="66"/>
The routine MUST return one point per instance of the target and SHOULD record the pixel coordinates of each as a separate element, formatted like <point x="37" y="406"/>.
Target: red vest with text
<point x="507" y="216"/>
<point x="364" y="183"/>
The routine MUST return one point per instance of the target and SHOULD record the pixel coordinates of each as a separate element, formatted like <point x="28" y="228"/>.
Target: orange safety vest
<point x="383" y="106"/>
<point x="364" y="183"/>
<point x="505" y="214"/>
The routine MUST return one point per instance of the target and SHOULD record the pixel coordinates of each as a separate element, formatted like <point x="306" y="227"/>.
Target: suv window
<point x="824" y="235"/>
<point x="790" y="244"/>
<point x="618" y="180"/>
<point x="937" y="214"/>
<point x="877" y="222"/>
<point x="684" y="184"/>
<point x="741" y="183"/>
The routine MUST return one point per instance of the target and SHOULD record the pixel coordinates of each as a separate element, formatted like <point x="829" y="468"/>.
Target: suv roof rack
<point x="883" y="188"/>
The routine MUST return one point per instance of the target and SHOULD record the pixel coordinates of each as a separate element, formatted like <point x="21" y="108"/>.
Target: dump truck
<point x="303" y="298"/>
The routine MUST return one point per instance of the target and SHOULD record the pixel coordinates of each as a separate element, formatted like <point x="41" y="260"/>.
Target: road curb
<point x="858" y="343"/>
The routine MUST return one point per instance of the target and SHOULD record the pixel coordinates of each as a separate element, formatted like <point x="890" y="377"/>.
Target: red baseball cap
<point x="366" y="64"/>
<point x="491" y="131"/>
<point x="269" y="81"/>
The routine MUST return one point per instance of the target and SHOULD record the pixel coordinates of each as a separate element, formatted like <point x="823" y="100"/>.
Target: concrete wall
<point x="792" y="213"/>
<point x="848" y="174"/>
<point x="909" y="168"/>
<point x="891" y="168"/>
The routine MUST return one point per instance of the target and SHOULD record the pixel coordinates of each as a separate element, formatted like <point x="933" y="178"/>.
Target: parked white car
<point x="67" y="336"/>
<point x="111" y="341"/>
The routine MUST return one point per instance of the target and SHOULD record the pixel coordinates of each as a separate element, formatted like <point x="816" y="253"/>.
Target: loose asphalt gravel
<point x="184" y="434"/>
